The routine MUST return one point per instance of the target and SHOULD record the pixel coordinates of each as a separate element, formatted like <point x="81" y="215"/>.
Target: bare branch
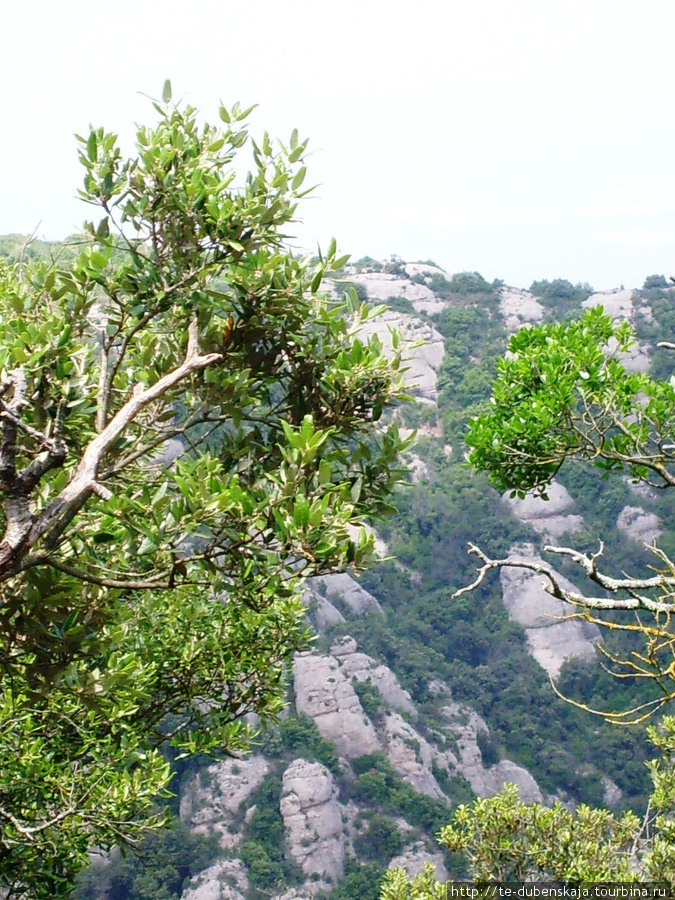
<point x="588" y="563"/>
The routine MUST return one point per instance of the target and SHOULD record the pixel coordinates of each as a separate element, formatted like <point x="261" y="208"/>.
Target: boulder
<point x="341" y="586"/>
<point x="324" y="693"/>
<point x="547" y="517"/>
<point x="212" y="797"/>
<point x="314" y="821"/>
<point x="639" y="524"/>
<point x="519" y="308"/>
<point x="552" y="637"/>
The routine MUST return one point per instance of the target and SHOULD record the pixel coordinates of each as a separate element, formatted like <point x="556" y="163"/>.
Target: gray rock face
<point x="617" y="303"/>
<point x="324" y="693"/>
<point x="416" y="857"/>
<point x="314" y="820"/>
<point x="325" y="613"/>
<point x="224" y="880"/>
<point x="383" y="286"/>
<point x="343" y="586"/>
<point x="551" y="636"/>
<point x="410" y="754"/>
<point x="422" y="362"/>
<point x="364" y="668"/>
<point x="519" y="308"/>
<point x="507" y="772"/>
<point x="613" y="793"/>
<point x="639" y="524"/>
<point x="547" y="517"/>
<point x="465" y="725"/>
<point x="212" y="797"/>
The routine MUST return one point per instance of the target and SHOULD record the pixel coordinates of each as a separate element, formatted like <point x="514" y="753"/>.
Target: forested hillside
<point x="412" y="702"/>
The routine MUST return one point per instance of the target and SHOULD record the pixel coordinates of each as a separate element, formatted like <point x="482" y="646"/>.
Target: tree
<point x="187" y="432"/>
<point x="562" y="395"/>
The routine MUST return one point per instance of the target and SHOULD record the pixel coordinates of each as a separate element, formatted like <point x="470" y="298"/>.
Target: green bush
<point x="381" y="841"/>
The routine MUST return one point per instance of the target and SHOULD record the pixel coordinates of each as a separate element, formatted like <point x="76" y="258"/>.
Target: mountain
<point x="411" y="702"/>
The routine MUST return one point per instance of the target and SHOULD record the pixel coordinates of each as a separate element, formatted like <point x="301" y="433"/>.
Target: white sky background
<point x="521" y="138"/>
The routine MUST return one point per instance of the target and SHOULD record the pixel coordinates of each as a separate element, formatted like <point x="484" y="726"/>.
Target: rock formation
<point x="552" y="635"/>
<point x="315" y="822"/>
<point x="323" y="692"/>
<point x="551" y="517"/>
<point x="212" y="797"/>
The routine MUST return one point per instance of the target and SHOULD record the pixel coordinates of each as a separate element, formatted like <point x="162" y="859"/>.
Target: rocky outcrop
<point x="212" y="797"/>
<point x="324" y="691"/>
<point x="410" y="754"/>
<point x="383" y="286"/>
<point x="639" y="525"/>
<point x="422" y="361"/>
<point x="519" y="308"/>
<point x="315" y="822"/>
<point x="552" y="636"/>
<point x="551" y="517"/>
<point x="364" y="668"/>
<point x="619" y="305"/>
<point x="464" y="727"/>
<point x="613" y="793"/>
<point x="325" y="694"/>
<point x="325" y="593"/>
<point x="342" y="587"/>
<point x="224" y="880"/>
<point x="416" y="857"/>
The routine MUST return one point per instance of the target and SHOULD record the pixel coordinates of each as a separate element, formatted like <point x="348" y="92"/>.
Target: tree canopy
<point x="189" y="428"/>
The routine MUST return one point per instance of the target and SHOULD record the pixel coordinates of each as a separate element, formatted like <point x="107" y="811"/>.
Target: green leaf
<point x="92" y="144"/>
<point x="166" y="91"/>
<point x="298" y="178"/>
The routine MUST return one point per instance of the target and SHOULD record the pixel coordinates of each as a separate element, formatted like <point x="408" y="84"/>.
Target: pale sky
<point x="523" y="139"/>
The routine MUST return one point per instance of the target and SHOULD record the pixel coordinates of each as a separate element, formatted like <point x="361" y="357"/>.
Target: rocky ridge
<point x="320" y="824"/>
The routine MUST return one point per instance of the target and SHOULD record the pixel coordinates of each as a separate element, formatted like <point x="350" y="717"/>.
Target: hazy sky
<point x="521" y="138"/>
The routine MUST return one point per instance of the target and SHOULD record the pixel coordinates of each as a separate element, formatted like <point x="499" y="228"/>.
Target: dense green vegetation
<point x="425" y="636"/>
<point x="187" y="433"/>
<point x="560" y="297"/>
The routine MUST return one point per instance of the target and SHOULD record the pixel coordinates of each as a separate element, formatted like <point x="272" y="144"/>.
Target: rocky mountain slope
<point x="437" y="745"/>
<point x="323" y="813"/>
<point x="411" y="702"/>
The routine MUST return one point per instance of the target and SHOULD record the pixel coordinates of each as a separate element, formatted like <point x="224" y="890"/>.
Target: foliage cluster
<point x="560" y="297"/>
<point x="187" y="431"/>
<point x="158" y="869"/>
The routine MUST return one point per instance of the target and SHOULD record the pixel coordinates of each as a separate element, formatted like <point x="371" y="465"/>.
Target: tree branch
<point x="588" y="563"/>
<point x="85" y="479"/>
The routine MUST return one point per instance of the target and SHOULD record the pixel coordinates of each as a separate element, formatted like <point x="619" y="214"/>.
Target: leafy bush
<point x="381" y="840"/>
<point x="654" y="281"/>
